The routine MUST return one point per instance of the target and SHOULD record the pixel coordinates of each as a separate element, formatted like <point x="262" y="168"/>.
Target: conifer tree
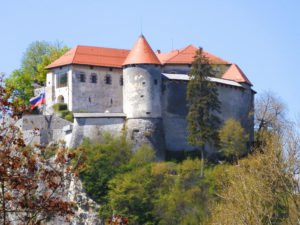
<point x="203" y="103"/>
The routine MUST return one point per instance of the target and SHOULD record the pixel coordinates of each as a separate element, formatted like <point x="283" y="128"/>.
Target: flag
<point x="36" y="101"/>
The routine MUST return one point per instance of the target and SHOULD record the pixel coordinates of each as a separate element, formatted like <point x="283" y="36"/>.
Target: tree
<point x="182" y="195"/>
<point x="32" y="179"/>
<point x="160" y="193"/>
<point x="261" y="189"/>
<point x="203" y="104"/>
<point x="232" y="139"/>
<point x="269" y="113"/>
<point x="36" y="58"/>
<point x="103" y="161"/>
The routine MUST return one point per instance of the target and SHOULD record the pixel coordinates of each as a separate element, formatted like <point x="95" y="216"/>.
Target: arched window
<point x="107" y="79"/>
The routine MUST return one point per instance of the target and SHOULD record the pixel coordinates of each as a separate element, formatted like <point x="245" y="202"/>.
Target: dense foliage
<point x="261" y="188"/>
<point x="135" y="186"/>
<point x="233" y="139"/>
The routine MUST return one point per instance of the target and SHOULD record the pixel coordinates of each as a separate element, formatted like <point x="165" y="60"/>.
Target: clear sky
<point x="261" y="36"/>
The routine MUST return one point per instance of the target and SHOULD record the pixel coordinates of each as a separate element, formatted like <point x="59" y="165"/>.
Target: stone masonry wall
<point x="236" y="102"/>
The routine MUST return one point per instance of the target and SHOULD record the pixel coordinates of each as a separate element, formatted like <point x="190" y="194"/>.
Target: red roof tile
<point x="236" y="74"/>
<point x="141" y="53"/>
<point x="95" y="56"/>
<point x="186" y="56"/>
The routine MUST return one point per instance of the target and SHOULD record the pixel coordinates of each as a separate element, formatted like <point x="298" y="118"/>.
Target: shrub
<point x="60" y="107"/>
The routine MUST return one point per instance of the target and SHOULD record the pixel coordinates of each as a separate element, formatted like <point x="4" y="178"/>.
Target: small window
<point x="110" y="69"/>
<point x="107" y="79"/>
<point x="155" y="81"/>
<point x="82" y="77"/>
<point x="91" y="67"/>
<point x="121" y="81"/>
<point x="93" y="78"/>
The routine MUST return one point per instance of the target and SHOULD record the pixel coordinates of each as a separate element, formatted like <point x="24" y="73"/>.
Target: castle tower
<point x="142" y="92"/>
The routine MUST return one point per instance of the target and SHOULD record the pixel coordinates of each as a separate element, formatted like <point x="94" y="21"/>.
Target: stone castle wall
<point x="236" y="102"/>
<point x="104" y="93"/>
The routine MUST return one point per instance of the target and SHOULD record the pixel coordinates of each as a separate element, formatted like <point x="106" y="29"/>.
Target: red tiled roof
<point x="186" y="56"/>
<point x="95" y="56"/>
<point x="141" y="53"/>
<point x="236" y="74"/>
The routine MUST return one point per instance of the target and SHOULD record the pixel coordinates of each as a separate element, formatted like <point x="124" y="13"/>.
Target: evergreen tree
<point x="203" y="103"/>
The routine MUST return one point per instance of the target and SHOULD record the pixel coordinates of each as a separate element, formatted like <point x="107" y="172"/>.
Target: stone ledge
<point x="99" y="115"/>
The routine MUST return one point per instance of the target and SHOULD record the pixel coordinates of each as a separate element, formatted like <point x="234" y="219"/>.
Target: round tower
<point x="142" y="92"/>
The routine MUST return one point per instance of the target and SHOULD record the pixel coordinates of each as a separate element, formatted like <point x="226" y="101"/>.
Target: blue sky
<point x="261" y="36"/>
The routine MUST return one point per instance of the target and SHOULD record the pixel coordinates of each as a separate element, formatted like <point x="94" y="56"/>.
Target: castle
<point x="141" y="92"/>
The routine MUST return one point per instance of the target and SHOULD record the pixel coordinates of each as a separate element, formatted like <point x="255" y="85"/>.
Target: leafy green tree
<point x="131" y="196"/>
<point x="232" y="139"/>
<point x="55" y="51"/>
<point x="103" y="161"/>
<point x="203" y="104"/>
<point x="38" y="55"/>
<point x="21" y="82"/>
<point x="161" y="193"/>
<point x="185" y="200"/>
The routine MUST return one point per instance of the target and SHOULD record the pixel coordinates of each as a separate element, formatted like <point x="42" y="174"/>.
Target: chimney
<point x="158" y="51"/>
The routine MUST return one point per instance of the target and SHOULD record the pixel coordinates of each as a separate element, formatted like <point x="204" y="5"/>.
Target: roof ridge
<point x="242" y="76"/>
<point x="91" y="46"/>
<point x="77" y="46"/>
<point x="178" y="51"/>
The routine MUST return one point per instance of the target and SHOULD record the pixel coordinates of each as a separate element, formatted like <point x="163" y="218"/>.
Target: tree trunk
<point x="3" y="203"/>
<point x="202" y="161"/>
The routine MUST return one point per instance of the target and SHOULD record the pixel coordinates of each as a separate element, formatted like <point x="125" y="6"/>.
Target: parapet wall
<point x="94" y="125"/>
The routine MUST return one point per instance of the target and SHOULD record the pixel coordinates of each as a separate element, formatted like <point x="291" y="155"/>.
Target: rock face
<point x="86" y="212"/>
<point x="42" y="129"/>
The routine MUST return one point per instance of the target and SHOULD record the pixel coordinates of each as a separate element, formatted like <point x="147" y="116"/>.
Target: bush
<point x="69" y="117"/>
<point x="60" y="107"/>
<point x="64" y="113"/>
<point x="62" y="110"/>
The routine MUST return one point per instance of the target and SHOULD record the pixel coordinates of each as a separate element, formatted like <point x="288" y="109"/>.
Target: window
<point x="121" y="81"/>
<point x="62" y="80"/>
<point x="155" y="82"/>
<point x="82" y="77"/>
<point x="107" y="79"/>
<point x="93" y="78"/>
